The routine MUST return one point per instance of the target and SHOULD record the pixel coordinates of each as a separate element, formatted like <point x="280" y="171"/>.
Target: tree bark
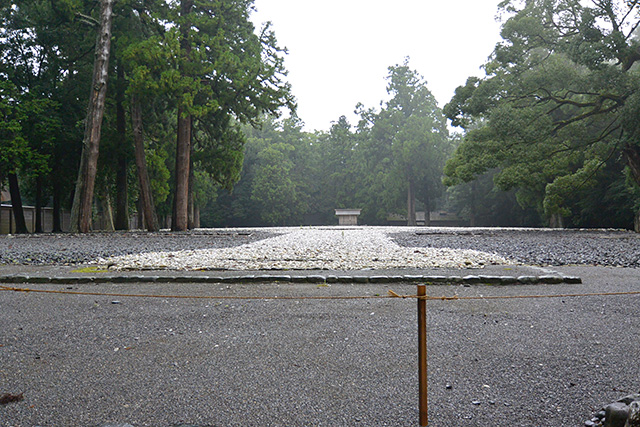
<point x="632" y="154"/>
<point x="107" y="212"/>
<point x="85" y="185"/>
<point x="427" y="206"/>
<point x="183" y="154"/>
<point x="196" y="217"/>
<point x="57" y="206"/>
<point x="179" y="220"/>
<point x="146" y="196"/>
<point x="556" y="221"/>
<point x="411" y="204"/>
<point x="191" y="222"/>
<point x="122" y="193"/>
<point x="38" y="227"/>
<point x="473" y="208"/>
<point x="122" y="196"/>
<point x="141" y="223"/>
<point x="16" y="204"/>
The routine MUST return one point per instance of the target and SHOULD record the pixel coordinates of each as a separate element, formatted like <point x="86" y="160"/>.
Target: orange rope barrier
<point x="106" y="294"/>
<point x="391" y="294"/>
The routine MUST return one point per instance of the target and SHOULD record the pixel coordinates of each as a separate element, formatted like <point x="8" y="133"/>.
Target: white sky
<point x="339" y="51"/>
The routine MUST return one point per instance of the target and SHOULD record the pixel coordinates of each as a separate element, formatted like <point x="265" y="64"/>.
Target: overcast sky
<point x="339" y="51"/>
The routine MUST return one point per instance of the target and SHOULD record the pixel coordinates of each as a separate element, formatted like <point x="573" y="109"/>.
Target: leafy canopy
<point x="560" y="100"/>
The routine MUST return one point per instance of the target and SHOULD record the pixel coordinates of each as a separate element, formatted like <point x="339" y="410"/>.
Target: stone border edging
<point x="267" y="278"/>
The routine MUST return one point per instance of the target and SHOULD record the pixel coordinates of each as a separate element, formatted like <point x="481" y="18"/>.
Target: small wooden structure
<point x="348" y="216"/>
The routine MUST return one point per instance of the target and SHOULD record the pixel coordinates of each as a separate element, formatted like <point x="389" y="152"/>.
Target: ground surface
<point x="526" y="246"/>
<point x="93" y="360"/>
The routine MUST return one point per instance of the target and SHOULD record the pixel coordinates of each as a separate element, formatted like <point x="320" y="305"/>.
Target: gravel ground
<point x="525" y="246"/>
<point x="85" y="361"/>
<point x="359" y="248"/>
<point x="51" y="249"/>
<point x="546" y="247"/>
<point x="94" y="361"/>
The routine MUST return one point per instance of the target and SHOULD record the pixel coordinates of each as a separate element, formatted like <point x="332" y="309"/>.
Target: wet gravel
<point x="86" y="361"/>
<point x="158" y="362"/>
<point x="52" y="249"/>
<point x="546" y="247"/>
<point x="311" y="248"/>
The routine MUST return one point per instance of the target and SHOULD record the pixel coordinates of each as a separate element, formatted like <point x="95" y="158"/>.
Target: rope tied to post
<point x="421" y="298"/>
<point x="425" y="297"/>
<point x="390" y="294"/>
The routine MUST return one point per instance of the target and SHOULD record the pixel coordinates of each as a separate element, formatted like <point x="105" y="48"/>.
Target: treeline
<point x="389" y="162"/>
<point x="549" y="137"/>
<point x="557" y="118"/>
<point x="118" y="102"/>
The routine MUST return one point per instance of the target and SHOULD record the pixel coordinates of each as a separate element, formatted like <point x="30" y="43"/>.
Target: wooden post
<point x="422" y="355"/>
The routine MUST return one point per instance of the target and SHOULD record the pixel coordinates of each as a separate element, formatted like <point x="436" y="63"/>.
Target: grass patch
<point x="92" y="269"/>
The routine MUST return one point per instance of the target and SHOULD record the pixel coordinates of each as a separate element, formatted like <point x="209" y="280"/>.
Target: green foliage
<point x="409" y="143"/>
<point x="219" y="152"/>
<point x="551" y="130"/>
<point x="558" y="103"/>
<point x="215" y="67"/>
<point x="158" y="174"/>
<point x="25" y="127"/>
<point x="291" y="177"/>
<point x="277" y="182"/>
<point x="14" y="148"/>
<point x="484" y="205"/>
<point x="338" y="180"/>
<point x="43" y="53"/>
<point x="273" y="190"/>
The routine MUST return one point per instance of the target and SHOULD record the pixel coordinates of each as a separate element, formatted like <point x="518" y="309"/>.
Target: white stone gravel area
<point x="308" y="248"/>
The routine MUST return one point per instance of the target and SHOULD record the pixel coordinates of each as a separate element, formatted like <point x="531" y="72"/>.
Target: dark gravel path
<point x="85" y="361"/>
<point x="537" y="247"/>
<point x="48" y="249"/>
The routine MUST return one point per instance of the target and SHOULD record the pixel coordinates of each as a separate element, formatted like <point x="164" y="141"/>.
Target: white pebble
<point x="312" y="248"/>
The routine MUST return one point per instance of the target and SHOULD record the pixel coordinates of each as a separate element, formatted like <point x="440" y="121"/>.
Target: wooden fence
<point x="8" y="222"/>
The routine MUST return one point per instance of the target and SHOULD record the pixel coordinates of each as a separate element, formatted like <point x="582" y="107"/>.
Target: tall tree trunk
<point x="632" y="154"/>
<point x="191" y="222"/>
<point x="411" y="204"/>
<point x="556" y="221"/>
<point x="16" y="204"/>
<point x="196" y="217"/>
<point x="473" y="208"/>
<point x="122" y="193"/>
<point x="107" y="211"/>
<point x="57" y="207"/>
<point x="122" y="196"/>
<point x="38" y="227"/>
<point x="183" y="154"/>
<point x="183" y="146"/>
<point x="83" y="198"/>
<point x="140" y="214"/>
<point x="146" y="196"/>
<point x="427" y="208"/>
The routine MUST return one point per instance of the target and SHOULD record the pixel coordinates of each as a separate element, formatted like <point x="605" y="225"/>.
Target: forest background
<point x="192" y="126"/>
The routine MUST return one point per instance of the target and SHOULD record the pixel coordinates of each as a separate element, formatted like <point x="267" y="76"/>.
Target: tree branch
<point x="631" y="5"/>
<point x="87" y="19"/>
<point x="604" y="134"/>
